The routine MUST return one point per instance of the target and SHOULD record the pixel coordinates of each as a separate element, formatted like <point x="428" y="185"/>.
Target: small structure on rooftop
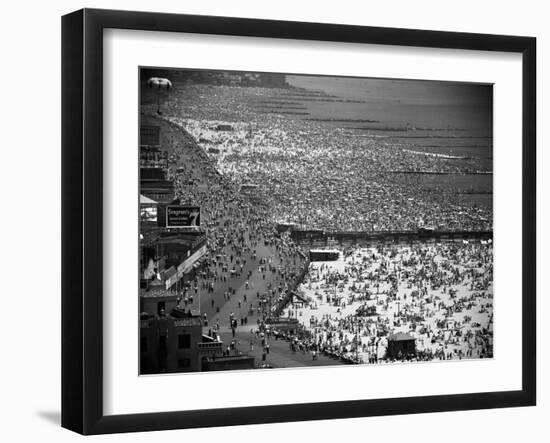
<point x="401" y="346"/>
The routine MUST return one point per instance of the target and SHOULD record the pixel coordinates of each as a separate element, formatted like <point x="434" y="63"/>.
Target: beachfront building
<point x="172" y="338"/>
<point x="170" y="258"/>
<point x="160" y="190"/>
<point x="324" y="255"/>
<point x="400" y="346"/>
<point x="150" y="153"/>
<point x="169" y="336"/>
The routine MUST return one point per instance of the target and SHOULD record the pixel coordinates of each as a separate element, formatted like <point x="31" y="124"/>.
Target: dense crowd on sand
<point x="234" y="229"/>
<point x="322" y="180"/>
<point x="317" y="177"/>
<point x="439" y="294"/>
<point x="321" y="177"/>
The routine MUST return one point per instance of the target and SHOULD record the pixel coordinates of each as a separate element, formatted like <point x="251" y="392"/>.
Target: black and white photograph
<point x="261" y="221"/>
<point x="289" y="221"/>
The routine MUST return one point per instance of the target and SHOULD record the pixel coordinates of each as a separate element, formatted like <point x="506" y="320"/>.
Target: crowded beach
<point x="303" y="173"/>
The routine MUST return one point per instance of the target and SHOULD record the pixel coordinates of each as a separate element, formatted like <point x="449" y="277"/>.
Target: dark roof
<point x="157" y="185"/>
<point x="152" y="174"/>
<point x="400" y="336"/>
<point x="149" y="135"/>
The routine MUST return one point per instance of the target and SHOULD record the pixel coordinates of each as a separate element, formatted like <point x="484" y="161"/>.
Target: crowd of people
<point x="440" y="294"/>
<point x="322" y="177"/>
<point x="240" y="239"/>
<point x="319" y="177"/>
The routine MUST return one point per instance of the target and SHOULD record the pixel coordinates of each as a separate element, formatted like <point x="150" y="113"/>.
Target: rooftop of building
<point x="401" y="336"/>
<point x="157" y="291"/>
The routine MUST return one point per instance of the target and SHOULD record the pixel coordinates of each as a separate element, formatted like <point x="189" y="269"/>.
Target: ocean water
<point x="437" y="118"/>
<point x="396" y="103"/>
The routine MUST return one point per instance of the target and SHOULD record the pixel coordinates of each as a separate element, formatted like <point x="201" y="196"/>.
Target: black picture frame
<point x="82" y="218"/>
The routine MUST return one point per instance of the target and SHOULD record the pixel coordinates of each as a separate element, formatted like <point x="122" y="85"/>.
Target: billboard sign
<point x="183" y="216"/>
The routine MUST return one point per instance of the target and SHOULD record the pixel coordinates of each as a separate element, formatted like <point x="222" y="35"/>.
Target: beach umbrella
<point x="159" y="84"/>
